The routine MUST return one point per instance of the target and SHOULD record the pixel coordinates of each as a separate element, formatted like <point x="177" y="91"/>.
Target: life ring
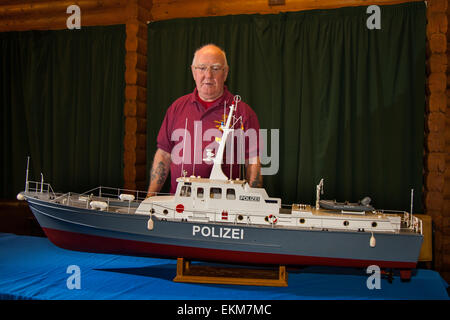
<point x="272" y="219"/>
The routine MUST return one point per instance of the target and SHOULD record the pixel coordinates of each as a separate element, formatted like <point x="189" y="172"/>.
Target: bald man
<point x="195" y="114"/>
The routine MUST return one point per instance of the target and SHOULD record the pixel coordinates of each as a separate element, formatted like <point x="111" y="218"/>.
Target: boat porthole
<point x="346" y="223"/>
<point x="165" y="211"/>
<point x="302" y="220"/>
<point x="152" y="210"/>
<point x="374" y="224"/>
<point x="266" y="219"/>
<point x="240" y="217"/>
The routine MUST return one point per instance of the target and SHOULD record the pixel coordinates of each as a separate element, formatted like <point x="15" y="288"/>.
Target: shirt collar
<point x="225" y="97"/>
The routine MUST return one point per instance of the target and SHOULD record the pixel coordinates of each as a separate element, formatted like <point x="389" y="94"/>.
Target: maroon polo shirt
<point x="201" y="132"/>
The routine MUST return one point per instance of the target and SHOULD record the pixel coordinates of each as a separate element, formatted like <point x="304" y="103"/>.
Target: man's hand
<point x="253" y="173"/>
<point x="159" y="172"/>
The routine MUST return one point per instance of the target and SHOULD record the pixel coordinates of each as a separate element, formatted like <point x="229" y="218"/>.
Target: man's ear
<point x="193" y="73"/>
<point x="225" y="73"/>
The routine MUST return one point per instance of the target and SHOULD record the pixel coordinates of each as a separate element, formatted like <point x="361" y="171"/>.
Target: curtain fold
<point x="62" y="104"/>
<point x="348" y="102"/>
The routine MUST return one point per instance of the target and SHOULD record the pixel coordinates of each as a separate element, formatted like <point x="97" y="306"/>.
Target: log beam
<point x="170" y="9"/>
<point x="436" y="169"/>
<point x="135" y="109"/>
<point x="52" y="15"/>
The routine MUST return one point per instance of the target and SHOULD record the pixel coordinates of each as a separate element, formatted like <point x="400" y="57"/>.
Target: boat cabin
<point x="200" y="193"/>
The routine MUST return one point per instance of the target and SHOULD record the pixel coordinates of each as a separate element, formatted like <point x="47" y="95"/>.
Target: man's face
<point x="209" y="72"/>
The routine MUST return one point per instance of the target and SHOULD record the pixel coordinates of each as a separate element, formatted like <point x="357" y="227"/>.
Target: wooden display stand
<point x="229" y="275"/>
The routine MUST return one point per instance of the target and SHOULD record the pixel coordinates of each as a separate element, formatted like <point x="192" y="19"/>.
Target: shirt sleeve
<point x="163" y="140"/>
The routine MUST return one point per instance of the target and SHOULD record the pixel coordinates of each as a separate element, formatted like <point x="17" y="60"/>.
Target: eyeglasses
<point x="214" y="68"/>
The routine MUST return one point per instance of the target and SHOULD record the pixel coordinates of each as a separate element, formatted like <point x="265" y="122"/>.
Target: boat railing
<point x="391" y="211"/>
<point x="106" y="199"/>
<point x="63" y="196"/>
<point x="410" y="222"/>
<point x="39" y="187"/>
<point x="85" y="200"/>
<point x="110" y="192"/>
<point x="417" y="225"/>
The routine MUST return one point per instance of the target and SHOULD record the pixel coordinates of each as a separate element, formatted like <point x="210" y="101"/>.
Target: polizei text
<point x="218" y="232"/>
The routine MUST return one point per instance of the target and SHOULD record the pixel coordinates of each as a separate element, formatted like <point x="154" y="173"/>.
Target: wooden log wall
<point x="135" y="165"/>
<point x="437" y="150"/>
<point x="445" y="268"/>
<point x="18" y="15"/>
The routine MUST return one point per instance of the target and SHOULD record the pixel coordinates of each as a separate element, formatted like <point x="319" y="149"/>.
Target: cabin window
<point x="231" y="194"/>
<point x="200" y="192"/>
<point x="215" y="193"/>
<point x="185" y="191"/>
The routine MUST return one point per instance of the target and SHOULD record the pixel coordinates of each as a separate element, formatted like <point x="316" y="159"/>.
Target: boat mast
<point x="319" y="189"/>
<point x="184" y="150"/>
<point x="217" y="173"/>
<point x="411" y="210"/>
<point x="26" y="176"/>
<point x="242" y="160"/>
<point x="232" y="155"/>
<point x="195" y="147"/>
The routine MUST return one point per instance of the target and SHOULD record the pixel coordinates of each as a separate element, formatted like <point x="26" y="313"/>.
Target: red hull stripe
<point x="98" y="244"/>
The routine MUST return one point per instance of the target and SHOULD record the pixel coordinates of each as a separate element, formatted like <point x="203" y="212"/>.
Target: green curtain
<point x="348" y="101"/>
<point x="62" y="97"/>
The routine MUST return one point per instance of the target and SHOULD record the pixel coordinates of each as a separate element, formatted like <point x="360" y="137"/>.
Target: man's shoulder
<point x="183" y="99"/>
<point x="180" y="102"/>
<point x="245" y="107"/>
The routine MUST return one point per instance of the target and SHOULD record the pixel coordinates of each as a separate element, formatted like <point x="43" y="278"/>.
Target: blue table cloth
<point x="34" y="268"/>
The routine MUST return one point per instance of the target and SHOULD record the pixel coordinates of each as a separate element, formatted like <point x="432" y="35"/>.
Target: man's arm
<point x="253" y="173"/>
<point x="159" y="172"/>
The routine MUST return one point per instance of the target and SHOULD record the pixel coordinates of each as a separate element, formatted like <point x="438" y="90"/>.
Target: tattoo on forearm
<point x="159" y="173"/>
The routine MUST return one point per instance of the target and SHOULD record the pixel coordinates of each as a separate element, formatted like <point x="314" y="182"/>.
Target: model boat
<point x="224" y="220"/>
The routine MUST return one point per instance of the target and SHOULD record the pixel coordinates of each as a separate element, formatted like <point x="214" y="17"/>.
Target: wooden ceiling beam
<point x="46" y="7"/>
<point x="170" y="9"/>
<point x="51" y="15"/>
<point x="108" y="16"/>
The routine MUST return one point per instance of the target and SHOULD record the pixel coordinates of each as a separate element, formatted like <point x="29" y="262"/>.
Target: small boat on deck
<point x="358" y="207"/>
